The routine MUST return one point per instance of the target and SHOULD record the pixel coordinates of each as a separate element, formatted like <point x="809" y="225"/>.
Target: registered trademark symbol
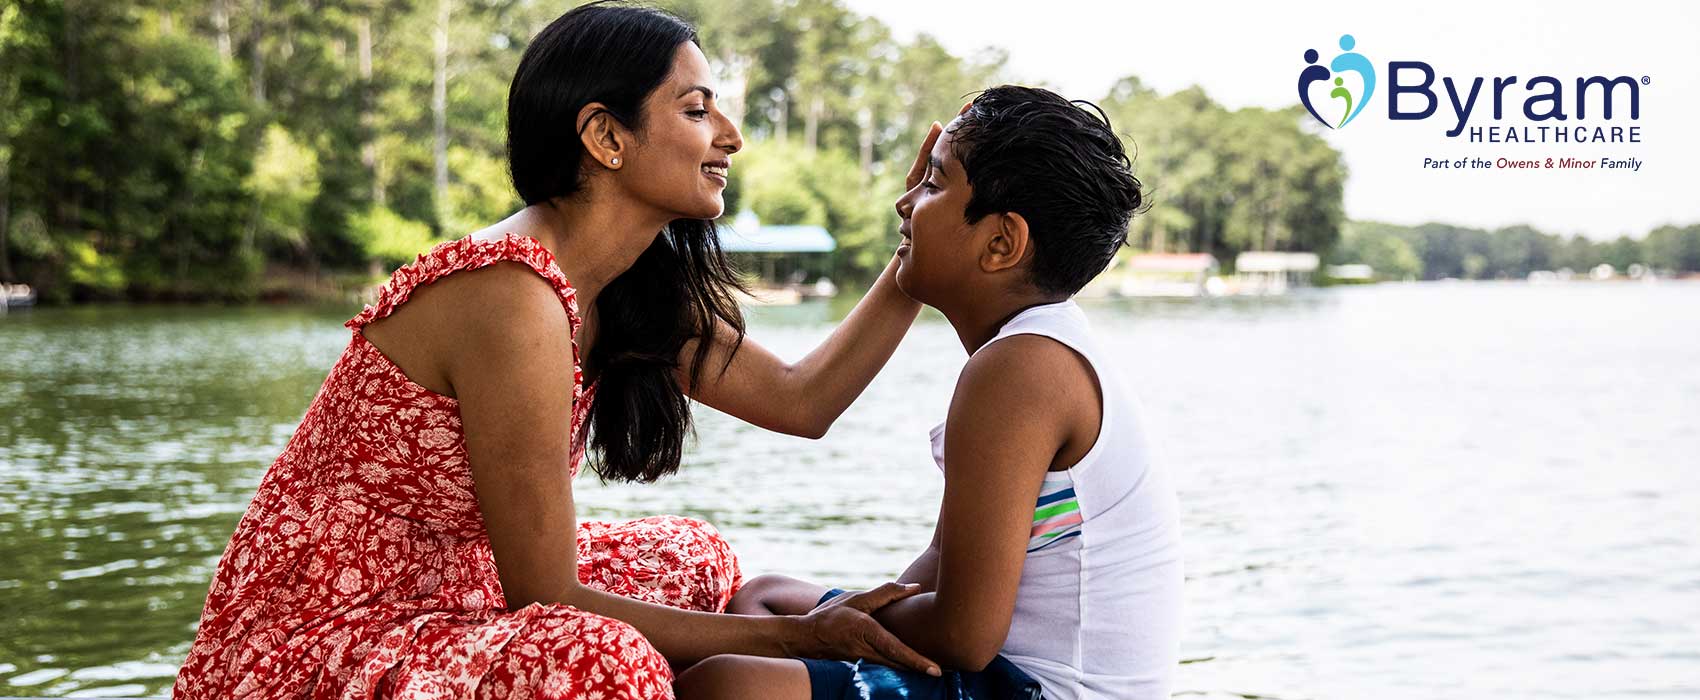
<point x="1646" y="80"/>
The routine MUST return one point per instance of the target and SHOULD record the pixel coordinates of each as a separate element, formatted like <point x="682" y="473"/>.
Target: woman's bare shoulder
<point x="470" y="317"/>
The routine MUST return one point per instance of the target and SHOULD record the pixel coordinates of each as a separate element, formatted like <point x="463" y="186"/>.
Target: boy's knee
<point x="752" y="596"/>
<point x="742" y="677"/>
<point x="764" y="583"/>
<point x="713" y="678"/>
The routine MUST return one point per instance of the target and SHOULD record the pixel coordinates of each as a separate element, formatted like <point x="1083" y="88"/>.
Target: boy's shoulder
<point x="1021" y="357"/>
<point x="1030" y="378"/>
<point x="1031" y="354"/>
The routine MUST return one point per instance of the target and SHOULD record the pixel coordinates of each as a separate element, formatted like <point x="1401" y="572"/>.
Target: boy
<point x="1056" y="555"/>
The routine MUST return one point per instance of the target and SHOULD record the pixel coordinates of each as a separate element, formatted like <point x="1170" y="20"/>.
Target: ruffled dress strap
<point x="468" y="254"/>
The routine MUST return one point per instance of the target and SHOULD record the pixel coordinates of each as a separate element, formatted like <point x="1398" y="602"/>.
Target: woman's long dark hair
<point x="680" y="287"/>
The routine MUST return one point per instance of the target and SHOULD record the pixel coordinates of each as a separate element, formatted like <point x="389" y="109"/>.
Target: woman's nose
<point x="731" y="140"/>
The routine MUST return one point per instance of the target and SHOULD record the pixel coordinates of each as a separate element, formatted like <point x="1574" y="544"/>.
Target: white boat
<point x="16" y="295"/>
<point x="772" y="296"/>
<point x="1159" y="275"/>
<point x="1267" y="273"/>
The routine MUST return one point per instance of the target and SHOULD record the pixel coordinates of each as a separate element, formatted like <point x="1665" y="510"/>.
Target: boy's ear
<point x="605" y="139"/>
<point x="1008" y="244"/>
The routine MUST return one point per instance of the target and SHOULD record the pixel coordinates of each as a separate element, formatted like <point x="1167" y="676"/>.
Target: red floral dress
<point x="362" y="568"/>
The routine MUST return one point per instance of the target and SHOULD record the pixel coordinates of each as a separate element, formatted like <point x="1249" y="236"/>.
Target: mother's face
<point x="682" y="155"/>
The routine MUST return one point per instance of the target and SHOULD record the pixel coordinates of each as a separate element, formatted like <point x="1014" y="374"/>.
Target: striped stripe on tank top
<point x="1056" y="517"/>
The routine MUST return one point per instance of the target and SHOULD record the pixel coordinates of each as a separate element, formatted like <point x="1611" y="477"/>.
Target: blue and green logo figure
<point x="1348" y="61"/>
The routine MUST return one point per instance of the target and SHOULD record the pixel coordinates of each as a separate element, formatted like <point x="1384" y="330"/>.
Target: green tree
<point x="783" y="183"/>
<point x="284" y="184"/>
<point x="1578" y="253"/>
<point x="1226" y="181"/>
<point x="138" y="150"/>
<point x="1621" y="253"/>
<point x="1674" y="249"/>
<point x="179" y="148"/>
<point x="13" y="116"/>
<point x="1380" y="246"/>
<point x="1515" y="251"/>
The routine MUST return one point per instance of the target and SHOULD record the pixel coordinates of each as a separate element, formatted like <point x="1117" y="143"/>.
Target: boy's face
<point x="937" y="256"/>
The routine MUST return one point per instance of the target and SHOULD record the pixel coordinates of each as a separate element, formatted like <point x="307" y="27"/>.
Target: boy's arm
<point x="1016" y="405"/>
<point x="925" y="569"/>
<point x="774" y="594"/>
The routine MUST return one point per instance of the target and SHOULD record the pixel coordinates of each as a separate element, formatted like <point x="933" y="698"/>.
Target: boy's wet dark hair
<point x="1032" y="152"/>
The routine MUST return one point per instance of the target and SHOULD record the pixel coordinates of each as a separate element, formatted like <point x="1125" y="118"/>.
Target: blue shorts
<point x="861" y="680"/>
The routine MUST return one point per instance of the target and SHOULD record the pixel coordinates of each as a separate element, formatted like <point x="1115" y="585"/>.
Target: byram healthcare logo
<point x="1350" y="61"/>
<point x="1414" y="92"/>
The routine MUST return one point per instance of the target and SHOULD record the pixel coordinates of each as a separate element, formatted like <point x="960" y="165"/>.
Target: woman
<point x="417" y="536"/>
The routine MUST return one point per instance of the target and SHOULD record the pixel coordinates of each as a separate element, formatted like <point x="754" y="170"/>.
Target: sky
<point x="1250" y="55"/>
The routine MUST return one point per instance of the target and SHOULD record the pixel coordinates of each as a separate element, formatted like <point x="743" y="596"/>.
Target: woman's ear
<point x="605" y="139"/>
<point x="1008" y="244"/>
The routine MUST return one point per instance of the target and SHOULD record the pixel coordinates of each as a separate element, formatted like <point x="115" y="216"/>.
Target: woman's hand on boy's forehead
<point x="922" y="159"/>
<point x="919" y="169"/>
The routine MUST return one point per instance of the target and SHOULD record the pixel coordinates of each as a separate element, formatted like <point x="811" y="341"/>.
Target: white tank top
<point x="1099" y="609"/>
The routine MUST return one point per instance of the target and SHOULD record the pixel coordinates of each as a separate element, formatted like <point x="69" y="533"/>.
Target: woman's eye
<point x="696" y="113"/>
<point x="928" y="186"/>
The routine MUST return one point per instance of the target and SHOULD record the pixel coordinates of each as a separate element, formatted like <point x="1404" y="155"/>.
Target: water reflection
<point x="1422" y="491"/>
<point x="131" y="438"/>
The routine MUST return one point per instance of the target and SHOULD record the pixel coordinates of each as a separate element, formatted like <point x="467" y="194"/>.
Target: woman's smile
<point x="715" y="170"/>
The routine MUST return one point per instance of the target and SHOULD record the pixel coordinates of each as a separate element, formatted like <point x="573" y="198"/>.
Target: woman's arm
<point x="502" y="340"/>
<point x="806" y="397"/>
<point x="1015" y="406"/>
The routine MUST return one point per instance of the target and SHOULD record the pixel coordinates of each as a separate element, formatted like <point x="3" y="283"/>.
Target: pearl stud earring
<point x="615" y="162"/>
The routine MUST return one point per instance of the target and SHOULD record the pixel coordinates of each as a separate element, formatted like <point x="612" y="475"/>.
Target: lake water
<point x="1402" y="491"/>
